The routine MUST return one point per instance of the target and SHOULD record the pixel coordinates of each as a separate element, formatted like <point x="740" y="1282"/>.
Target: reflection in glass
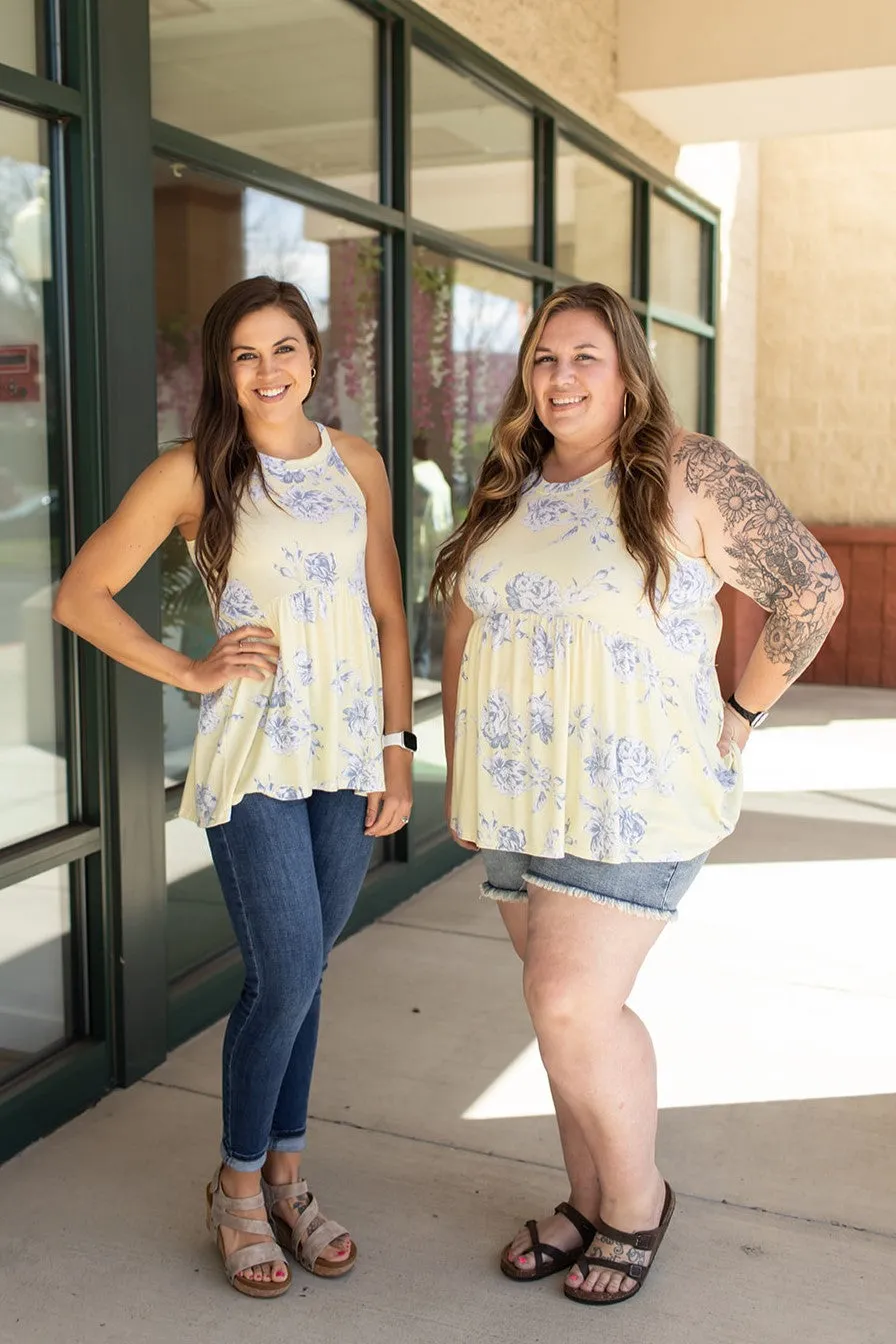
<point x="676" y="270"/>
<point x="678" y="357"/>
<point x="21" y="23"/>
<point x="32" y="750"/>
<point x="209" y="234"/>
<point x="293" y="82"/>
<point x="198" y="926"/>
<point x="35" y="950"/>
<point x="471" y="158"/>
<point x="594" y="219"/>
<point x="467" y="322"/>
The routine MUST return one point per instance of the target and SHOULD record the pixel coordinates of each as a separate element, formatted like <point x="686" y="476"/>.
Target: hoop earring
<point x="313" y="373"/>
<point x="624" y="405"/>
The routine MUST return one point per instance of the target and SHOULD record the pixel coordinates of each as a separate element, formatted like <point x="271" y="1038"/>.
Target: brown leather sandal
<point x="311" y="1234"/>
<point x="223" y="1210"/>
<point x="634" y="1263"/>
<point x="548" y="1259"/>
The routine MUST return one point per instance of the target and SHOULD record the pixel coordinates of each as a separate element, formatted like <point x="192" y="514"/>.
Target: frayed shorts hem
<point x="644" y="911"/>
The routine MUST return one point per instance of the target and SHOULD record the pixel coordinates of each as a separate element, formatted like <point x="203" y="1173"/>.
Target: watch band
<point x="754" y="719"/>
<point x="403" y="739"/>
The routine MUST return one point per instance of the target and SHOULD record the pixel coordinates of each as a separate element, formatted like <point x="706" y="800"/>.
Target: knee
<point x="554" y="1005"/>
<point x="561" y="1007"/>
<point x="285" y="986"/>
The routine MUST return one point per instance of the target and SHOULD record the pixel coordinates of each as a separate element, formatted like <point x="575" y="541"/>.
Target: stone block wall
<point x="826" y="359"/>
<point x="826" y="384"/>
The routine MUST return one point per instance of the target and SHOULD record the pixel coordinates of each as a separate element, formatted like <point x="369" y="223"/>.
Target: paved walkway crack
<point x="552" y="1166"/>
<point x="455" y="933"/>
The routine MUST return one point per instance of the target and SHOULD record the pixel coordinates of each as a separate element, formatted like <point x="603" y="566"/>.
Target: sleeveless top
<point x="585" y="725"/>
<point x="298" y="567"/>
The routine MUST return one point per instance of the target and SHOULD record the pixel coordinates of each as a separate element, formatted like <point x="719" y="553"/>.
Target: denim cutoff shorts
<point x="651" y="889"/>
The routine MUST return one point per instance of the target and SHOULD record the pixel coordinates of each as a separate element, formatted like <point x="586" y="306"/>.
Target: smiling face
<point x="270" y="363"/>
<point x="576" y="381"/>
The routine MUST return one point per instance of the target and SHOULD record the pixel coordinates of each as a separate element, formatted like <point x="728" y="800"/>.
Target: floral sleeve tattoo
<point x="774" y="558"/>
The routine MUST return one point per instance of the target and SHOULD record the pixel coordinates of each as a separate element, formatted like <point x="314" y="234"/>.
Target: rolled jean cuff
<point x="288" y="1143"/>
<point x="241" y="1163"/>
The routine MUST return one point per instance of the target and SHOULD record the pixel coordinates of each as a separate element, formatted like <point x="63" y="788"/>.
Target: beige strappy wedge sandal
<point x="223" y="1211"/>
<point x="311" y="1234"/>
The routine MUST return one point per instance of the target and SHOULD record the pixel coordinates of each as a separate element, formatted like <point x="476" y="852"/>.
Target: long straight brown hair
<point x="519" y="443"/>
<point x="225" y="457"/>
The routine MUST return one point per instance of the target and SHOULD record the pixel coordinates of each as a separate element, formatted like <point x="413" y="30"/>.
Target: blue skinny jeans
<point x="290" y="873"/>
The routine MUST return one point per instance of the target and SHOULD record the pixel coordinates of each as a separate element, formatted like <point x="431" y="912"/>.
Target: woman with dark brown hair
<point x="591" y="757"/>
<point x="303" y="755"/>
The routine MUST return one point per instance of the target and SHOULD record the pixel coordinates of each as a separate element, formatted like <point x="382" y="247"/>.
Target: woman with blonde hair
<point x="303" y="753"/>
<point x="591" y="756"/>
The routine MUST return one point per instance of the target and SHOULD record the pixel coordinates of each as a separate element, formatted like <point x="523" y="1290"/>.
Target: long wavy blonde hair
<point x="519" y="443"/>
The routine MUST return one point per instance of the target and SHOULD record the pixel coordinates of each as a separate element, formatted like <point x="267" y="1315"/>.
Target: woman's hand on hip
<point x="246" y="652"/>
<point x="735" y="731"/>
<point x="388" y="811"/>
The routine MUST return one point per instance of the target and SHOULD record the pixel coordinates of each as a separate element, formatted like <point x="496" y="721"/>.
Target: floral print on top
<point x="587" y="725"/>
<point x="298" y="567"/>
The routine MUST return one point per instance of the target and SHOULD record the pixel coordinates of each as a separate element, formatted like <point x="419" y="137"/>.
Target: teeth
<point x="566" y="401"/>
<point x="270" y="391"/>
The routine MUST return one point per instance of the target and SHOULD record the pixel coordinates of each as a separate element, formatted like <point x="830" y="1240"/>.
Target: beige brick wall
<point x="567" y="48"/>
<point x="826" y="353"/>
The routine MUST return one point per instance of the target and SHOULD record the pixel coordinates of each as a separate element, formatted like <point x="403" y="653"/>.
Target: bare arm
<point x="457" y="627"/>
<point x="163" y="497"/>
<point x="384" y="591"/>
<point x="755" y="544"/>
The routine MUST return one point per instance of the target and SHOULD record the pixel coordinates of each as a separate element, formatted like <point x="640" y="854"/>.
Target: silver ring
<point x="240" y="643"/>
<point x="405" y="820"/>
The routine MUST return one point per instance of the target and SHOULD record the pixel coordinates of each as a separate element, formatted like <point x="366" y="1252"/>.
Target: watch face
<point x="410" y="741"/>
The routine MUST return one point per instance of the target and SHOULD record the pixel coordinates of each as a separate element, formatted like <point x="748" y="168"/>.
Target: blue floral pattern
<point x="587" y="722"/>
<point x="299" y="568"/>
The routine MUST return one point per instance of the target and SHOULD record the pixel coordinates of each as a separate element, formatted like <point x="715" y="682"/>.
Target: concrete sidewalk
<point x="773" y="1007"/>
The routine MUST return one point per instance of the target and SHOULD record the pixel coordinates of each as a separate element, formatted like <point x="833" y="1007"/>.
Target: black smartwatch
<point x="754" y="720"/>
<point x="404" y="739"/>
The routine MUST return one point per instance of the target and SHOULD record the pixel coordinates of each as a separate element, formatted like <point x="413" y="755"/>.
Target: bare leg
<point x="582" y="958"/>
<point x="584" y="1189"/>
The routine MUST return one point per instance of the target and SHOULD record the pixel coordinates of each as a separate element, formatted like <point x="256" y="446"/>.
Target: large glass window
<point x="467" y="322"/>
<point x="676" y="259"/>
<point x="35" y="947"/>
<point x="471" y="155"/>
<point x="293" y="82"/>
<point x="210" y="233"/>
<point x="32" y="751"/>
<point x="594" y="218"/>
<point x="21" y="35"/>
<point x="679" y="361"/>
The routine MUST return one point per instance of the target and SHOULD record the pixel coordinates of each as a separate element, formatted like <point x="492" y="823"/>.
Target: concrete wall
<point x="706" y="72"/>
<point x="826" y="400"/>
<point x="568" y="49"/>
<point x="681" y="42"/>
<point x="728" y="175"/>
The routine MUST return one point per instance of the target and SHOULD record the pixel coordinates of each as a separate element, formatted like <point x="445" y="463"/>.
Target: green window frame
<point x="95" y="98"/>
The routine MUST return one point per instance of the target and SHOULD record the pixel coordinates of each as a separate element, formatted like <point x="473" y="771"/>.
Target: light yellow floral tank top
<point x="585" y="725"/>
<point x="298" y="567"/>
